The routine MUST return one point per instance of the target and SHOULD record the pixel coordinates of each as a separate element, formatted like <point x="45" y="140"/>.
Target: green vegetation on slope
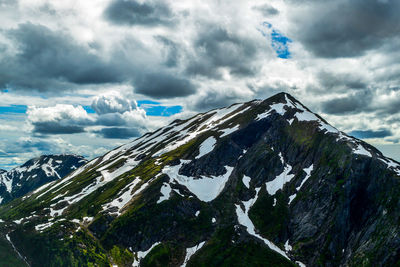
<point x="223" y="250"/>
<point x="8" y="257"/>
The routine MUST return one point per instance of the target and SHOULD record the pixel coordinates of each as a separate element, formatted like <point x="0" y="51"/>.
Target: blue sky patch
<point x="147" y="102"/>
<point x="154" y="108"/>
<point x="162" y="110"/>
<point x="279" y="42"/>
<point x="89" y="109"/>
<point x="12" y="109"/>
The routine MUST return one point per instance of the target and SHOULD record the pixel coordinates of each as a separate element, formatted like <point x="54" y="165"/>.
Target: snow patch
<point x="166" y="192"/>
<point x="125" y="197"/>
<point x="278" y="183"/>
<point x="306" y="116"/>
<point x="100" y="181"/>
<point x="228" y="131"/>
<point x="142" y="254"/>
<point x="183" y="134"/>
<point x="18" y="221"/>
<point x="287" y="246"/>
<point x="246" y="181"/>
<point x="206" y="188"/>
<point x="291" y="198"/>
<point x="244" y="219"/>
<point x="129" y="165"/>
<point x="281" y="157"/>
<point x="55" y="213"/>
<point x="49" y="170"/>
<point x="41" y="227"/>
<point x="308" y="174"/>
<point x="328" y="128"/>
<point x="278" y="108"/>
<point x="191" y="251"/>
<point x="87" y="219"/>
<point x="7" y="182"/>
<point x="391" y="165"/>
<point x="207" y="146"/>
<point x="362" y="151"/>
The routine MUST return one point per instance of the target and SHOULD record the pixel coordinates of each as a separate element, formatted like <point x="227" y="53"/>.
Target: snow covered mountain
<point x="262" y="183"/>
<point x="35" y="173"/>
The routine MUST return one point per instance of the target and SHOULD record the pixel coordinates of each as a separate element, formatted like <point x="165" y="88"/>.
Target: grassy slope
<point x="8" y="257"/>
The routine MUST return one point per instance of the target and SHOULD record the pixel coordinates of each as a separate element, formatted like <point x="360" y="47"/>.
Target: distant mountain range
<point x="35" y="173"/>
<point x="262" y="183"/>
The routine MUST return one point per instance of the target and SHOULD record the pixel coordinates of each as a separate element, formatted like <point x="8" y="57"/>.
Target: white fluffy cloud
<point x="116" y="116"/>
<point x="113" y="102"/>
<point x="58" y="112"/>
<point x="58" y="119"/>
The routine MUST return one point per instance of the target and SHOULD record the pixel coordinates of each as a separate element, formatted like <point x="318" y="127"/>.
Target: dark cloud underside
<point x="47" y="60"/>
<point x="163" y="85"/>
<point x="118" y="133"/>
<point x="30" y="145"/>
<point x="340" y="81"/>
<point x="347" y="28"/>
<point x="215" y="99"/>
<point x="371" y="133"/>
<point x="149" y="13"/>
<point x="216" y="47"/>
<point x="172" y="51"/>
<point x="56" y="128"/>
<point x="267" y="10"/>
<point x="351" y="104"/>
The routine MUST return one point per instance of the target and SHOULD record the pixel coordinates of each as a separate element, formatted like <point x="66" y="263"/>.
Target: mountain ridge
<point x="35" y="173"/>
<point x="264" y="178"/>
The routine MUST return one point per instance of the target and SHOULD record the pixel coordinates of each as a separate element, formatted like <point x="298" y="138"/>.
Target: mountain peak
<point x="281" y="97"/>
<point x="255" y="180"/>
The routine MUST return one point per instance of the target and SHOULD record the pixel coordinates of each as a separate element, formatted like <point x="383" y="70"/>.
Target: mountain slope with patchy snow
<point x="262" y="183"/>
<point x="35" y="173"/>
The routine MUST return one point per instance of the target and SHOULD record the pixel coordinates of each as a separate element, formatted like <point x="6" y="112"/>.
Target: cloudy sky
<point x="86" y="76"/>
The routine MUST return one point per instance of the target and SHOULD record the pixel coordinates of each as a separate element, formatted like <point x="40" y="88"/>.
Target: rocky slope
<point x="35" y="173"/>
<point x="263" y="183"/>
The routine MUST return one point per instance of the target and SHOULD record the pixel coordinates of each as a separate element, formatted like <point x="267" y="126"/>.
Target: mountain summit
<point x="262" y="183"/>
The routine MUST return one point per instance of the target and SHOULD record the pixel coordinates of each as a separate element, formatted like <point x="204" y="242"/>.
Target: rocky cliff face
<point x="35" y="173"/>
<point x="263" y="183"/>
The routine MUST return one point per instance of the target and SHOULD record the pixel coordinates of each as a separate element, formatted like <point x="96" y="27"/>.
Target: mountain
<point x="262" y="183"/>
<point x="35" y="173"/>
